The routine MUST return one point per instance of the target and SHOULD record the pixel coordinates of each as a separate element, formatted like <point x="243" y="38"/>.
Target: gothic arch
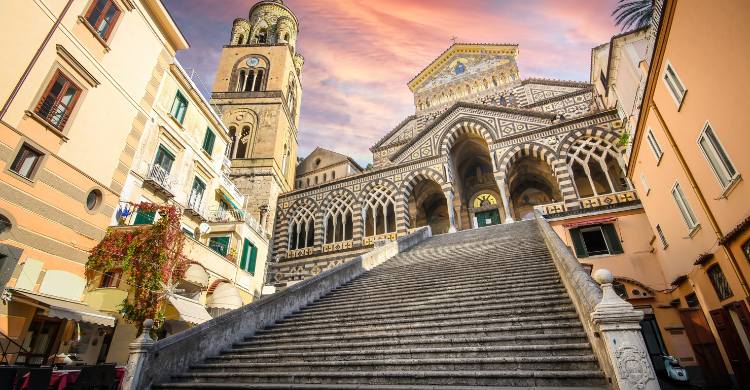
<point x="532" y="149"/>
<point x="377" y="182"/>
<point x="607" y="135"/>
<point x="241" y="123"/>
<point x="414" y="177"/>
<point x="464" y="126"/>
<point x="381" y="198"/>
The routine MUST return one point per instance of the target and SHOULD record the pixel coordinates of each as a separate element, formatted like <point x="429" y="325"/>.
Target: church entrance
<point x="488" y="218"/>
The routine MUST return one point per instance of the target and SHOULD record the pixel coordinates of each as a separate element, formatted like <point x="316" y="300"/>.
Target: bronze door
<point x="704" y="346"/>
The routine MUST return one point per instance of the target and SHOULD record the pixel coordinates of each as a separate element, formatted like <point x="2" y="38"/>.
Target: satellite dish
<point x="204" y="228"/>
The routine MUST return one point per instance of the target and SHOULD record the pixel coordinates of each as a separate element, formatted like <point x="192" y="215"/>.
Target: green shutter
<point x="179" y="107"/>
<point x="143" y="218"/>
<point x="613" y="240"/>
<point x="575" y="236"/>
<point x="219" y="244"/>
<point x="208" y="141"/>
<point x="253" y="257"/>
<point x="245" y="253"/>
<point x="188" y="232"/>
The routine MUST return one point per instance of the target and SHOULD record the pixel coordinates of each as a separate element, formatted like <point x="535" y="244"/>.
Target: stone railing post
<point x="138" y="350"/>
<point x="619" y="326"/>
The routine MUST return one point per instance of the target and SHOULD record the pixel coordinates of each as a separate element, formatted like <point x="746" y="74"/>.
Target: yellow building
<point x="81" y="78"/>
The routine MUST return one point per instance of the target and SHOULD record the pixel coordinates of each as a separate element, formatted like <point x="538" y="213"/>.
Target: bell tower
<point x="258" y="90"/>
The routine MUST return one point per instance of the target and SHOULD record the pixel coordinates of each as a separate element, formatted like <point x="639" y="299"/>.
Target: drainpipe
<point x="702" y="200"/>
<point x="33" y="60"/>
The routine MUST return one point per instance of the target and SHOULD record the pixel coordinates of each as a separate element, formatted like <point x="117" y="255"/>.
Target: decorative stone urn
<point x="619" y="325"/>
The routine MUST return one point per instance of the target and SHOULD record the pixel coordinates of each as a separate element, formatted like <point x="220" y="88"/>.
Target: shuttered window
<point x="596" y="240"/>
<point x="661" y="236"/>
<point x="645" y="183"/>
<point x="58" y="101"/>
<point x="654" y="145"/>
<point x="691" y="222"/>
<point x="717" y="157"/>
<point x="674" y="84"/>
<point x="208" y="141"/>
<point x="179" y="107"/>
<point x="249" y="257"/>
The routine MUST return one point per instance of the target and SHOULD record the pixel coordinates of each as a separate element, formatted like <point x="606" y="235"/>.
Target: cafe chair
<point x="20" y="376"/>
<point x="39" y="378"/>
<point x="7" y="377"/>
<point x="83" y="382"/>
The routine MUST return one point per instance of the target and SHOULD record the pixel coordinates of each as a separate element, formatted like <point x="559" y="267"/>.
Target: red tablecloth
<point x="61" y="379"/>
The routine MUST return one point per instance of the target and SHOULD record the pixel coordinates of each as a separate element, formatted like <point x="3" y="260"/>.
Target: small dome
<point x="197" y="274"/>
<point x="226" y="296"/>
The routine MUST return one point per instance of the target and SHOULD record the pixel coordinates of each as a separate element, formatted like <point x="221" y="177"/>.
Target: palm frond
<point x="633" y="13"/>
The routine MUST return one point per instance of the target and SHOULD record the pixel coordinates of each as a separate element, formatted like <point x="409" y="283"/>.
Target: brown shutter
<point x="732" y="346"/>
<point x="704" y="346"/>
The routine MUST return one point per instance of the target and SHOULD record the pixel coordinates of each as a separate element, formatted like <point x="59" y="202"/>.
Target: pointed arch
<point x="463" y="126"/>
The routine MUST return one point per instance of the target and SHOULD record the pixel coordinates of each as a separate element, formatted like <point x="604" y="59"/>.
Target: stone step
<point x="253" y="355"/>
<point x="355" y="386"/>
<point x="487" y="331"/>
<point x="450" y="313"/>
<point x="269" y="346"/>
<point x="526" y="378"/>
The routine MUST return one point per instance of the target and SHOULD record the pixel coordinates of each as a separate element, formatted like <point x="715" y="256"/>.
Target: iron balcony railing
<point x="195" y="205"/>
<point x="238" y="216"/>
<point x="160" y="176"/>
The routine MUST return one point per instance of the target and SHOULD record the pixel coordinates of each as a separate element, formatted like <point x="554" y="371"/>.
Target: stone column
<point x="504" y="196"/>
<point x="619" y="326"/>
<point x="457" y="212"/>
<point x="449" y="198"/>
<point x="138" y="350"/>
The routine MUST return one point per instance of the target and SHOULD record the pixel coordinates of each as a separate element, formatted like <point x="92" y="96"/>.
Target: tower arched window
<point x="378" y="212"/>
<point x="338" y="221"/>
<point x="494" y="81"/>
<point x="283" y="161"/>
<point x="240" y="39"/>
<point x="308" y="182"/>
<point x="263" y="35"/>
<point x="286" y="37"/>
<point x="333" y="175"/>
<point x="597" y="167"/>
<point x="301" y="229"/>
<point x="316" y="180"/>
<point x="324" y="178"/>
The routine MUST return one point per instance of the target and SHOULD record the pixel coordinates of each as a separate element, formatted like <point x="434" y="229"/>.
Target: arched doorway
<point x="429" y="207"/>
<point x="474" y="178"/>
<point x="531" y="182"/>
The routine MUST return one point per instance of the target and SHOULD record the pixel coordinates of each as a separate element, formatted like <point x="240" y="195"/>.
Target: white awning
<point x="197" y="274"/>
<point x="226" y="296"/>
<point x="66" y="309"/>
<point x="190" y="311"/>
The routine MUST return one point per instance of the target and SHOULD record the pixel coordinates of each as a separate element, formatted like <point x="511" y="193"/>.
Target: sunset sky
<point x="359" y="55"/>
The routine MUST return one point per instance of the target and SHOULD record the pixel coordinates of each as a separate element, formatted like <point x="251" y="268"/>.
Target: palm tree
<point x="633" y="13"/>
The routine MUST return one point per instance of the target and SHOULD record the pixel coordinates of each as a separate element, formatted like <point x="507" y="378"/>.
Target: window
<point x="249" y="257"/>
<point x="111" y="278"/>
<point x="692" y="300"/>
<point x="179" y="107"/>
<point x="603" y="78"/>
<point x="219" y="245"/>
<point x="333" y="175"/>
<point x="645" y="183"/>
<point x="26" y="161"/>
<point x="188" y="231"/>
<point x="620" y="290"/>
<point x="338" y="221"/>
<point x="58" y="101"/>
<point x="596" y="168"/>
<point x="746" y="249"/>
<point x="717" y="157"/>
<point x="196" y="194"/>
<point x="324" y="177"/>
<point x="208" y="141"/>
<point x="596" y="240"/>
<point x="654" y="145"/>
<point x="379" y="212"/>
<point x="691" y="222"/>
<point x="263" y="35"/>
<point x="93" y="200"/>
<point x="164" y="159"/>
<point x="674" y="84"/>
<point x="308" y="182"/>
<point x="102" y="16"/>
<point x="316" y="180"/>
<point x="250" y="81"/>
<point x="302" y="228"/>
<point x="144" y="218"/>
<point x="664" y="243"/>
<point x="719" y="282"/>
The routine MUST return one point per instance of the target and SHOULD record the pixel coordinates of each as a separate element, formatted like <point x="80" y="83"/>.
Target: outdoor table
<point x="61" y="379"/>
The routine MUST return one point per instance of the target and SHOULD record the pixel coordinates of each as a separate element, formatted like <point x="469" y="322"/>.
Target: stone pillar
<point x="457" y="212"/>
<point x="449" y="198"/>
<point x="138" y="350"/>
<point x="504" y="196"/>
<point x="619" y="326"/>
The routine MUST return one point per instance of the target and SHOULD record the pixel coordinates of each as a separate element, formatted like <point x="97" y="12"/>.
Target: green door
<point x="488" y="218"/>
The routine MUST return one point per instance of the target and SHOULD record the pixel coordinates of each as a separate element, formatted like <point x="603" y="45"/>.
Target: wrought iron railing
<point x="161" y="177"/>
<point x="238" y="216"/>
<point x="6" y="343"/>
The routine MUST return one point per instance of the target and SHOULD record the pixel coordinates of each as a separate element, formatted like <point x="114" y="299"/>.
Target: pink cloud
<point x="359" y="55"/>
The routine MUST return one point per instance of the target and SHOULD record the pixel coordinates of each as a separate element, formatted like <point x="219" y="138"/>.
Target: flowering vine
<point x="151" y="255"/>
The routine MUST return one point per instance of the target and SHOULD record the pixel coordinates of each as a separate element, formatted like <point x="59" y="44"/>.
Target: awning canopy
<point x="226" y="296"/>
<point x="190" y="311"/>
<point x="197" y="274"/>
<point x="228" y="198"/>
<point x="66" y="309"/>
<point x="590" y="222"/>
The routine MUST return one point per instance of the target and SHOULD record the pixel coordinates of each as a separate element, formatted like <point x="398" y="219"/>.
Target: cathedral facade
<point x="484" y="147"/>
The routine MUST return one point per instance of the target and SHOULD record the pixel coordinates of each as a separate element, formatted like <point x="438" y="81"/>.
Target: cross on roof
<point x="454" y="39"/>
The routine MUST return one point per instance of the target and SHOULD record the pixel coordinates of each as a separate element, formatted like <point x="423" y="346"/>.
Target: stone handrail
<point x="605" y="317"/>
<point x="149" y="365"/>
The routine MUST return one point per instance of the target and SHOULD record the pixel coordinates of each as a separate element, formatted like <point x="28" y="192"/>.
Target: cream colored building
<point x="79" y="85"/>
<point x="181" y="160"/>
<point x="323" y="165"/>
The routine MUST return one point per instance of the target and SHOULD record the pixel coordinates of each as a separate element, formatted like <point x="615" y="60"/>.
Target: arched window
<point x="338" y="221"/>
<point x="316" y="180"/>
<point x="428" y="102"/>
<point x="620" y="290"/>
<point x="494" y="81"/>
<point x="286" y="37"/>
<point x="241" y="81"/>
<point x="240" y="39"/>
<point x="512" y="76"/>
<point x="597" y="167"/>
<point x="503" y="102"/>
<point x="486" y="84"/>
<point x="378" y="211"/>
<point x="232" y="141"/>
<point x="468" y="89"/>
<point x="263" y="35"/>
<point x="308" y="182"/>
<point x="301" y="229"/>
<point x="243" y="147"/>
<point x="719" y="281"/>
<point x="420" y="105"/>
<point x="333" y="175"/>
<point x="324" y="177"/>
<point x="283" y="161"/>
<point x="258" y="80"/>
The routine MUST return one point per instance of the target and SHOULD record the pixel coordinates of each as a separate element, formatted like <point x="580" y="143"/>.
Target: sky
<point x="359" y="55"/>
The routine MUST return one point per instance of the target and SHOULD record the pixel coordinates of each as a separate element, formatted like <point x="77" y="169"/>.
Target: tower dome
<point x="269" y="22"/>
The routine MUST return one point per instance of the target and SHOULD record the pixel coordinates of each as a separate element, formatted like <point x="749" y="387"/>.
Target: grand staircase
<point x="475" y="309"/>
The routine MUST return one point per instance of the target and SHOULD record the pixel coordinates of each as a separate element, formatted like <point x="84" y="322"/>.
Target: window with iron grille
<point x="719" y="281"/>
<point x="58" y="101"/>
<point x="692" y="300"/>
<point x="620" y="290"/>
<point x="746" y="250"/>
<point x="717" y="157"/>
<point x="102" y="16"/>
<point x="661" y="237"/>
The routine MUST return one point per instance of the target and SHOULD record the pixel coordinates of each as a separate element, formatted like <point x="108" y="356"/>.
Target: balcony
<point x="229" y="216"/>
<point x="160" y="181"/>
<point x="195" y="207"/>
<point x="227" y="184"/>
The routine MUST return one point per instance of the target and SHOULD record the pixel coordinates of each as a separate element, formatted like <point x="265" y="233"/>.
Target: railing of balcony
<point x="238" y="216"/>
<point x="227" y="183"/>
<point x="196" y="205"/>
<point x="159" y="175"/>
